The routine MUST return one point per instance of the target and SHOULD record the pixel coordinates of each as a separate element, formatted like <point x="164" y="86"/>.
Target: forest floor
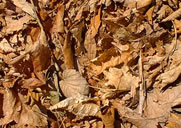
<point x="90" y="64"/>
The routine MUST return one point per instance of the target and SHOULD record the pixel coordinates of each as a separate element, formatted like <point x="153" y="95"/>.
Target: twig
<point x="142" y="90"/>
<point x="175" y="44"/>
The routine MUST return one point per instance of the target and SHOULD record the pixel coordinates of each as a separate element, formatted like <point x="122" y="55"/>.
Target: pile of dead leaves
<point x="90" y="63"/>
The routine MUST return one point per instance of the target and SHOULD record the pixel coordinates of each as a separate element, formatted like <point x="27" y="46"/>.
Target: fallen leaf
<point x="173" y="16"/>
<point x="25" y="6"/>
<point x="73" y="84"/>
<point x="121" y="79"/>
<point x="15" y="109"/>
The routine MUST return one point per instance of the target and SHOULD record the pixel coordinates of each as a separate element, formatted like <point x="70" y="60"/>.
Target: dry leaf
<point x="164" y="11"/>
<point x="90" y="45"/>
<point x="73" y="84"/>
<point x="143" y="3"/>
<point x="95" y="23"/>
<point x="121" y="79"/>
<point x="25" y="6"/>
<point x="108" y="118"/>
<point x="59" y="23"/>
<point x="14" y="108"/>
<point x="67" y="51"/>
<point x="173" y="16"/>
<point x="170" y="76"/>
<point x="111" y="63"/>
<point x="78" y="105"/>
<point x="15" y="25"/>
<point x="149" y="15"/>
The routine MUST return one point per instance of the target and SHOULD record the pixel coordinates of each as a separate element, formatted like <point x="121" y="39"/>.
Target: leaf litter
<point x="91" y="64"/>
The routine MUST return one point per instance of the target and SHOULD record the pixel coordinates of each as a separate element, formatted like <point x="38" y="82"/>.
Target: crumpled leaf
<point x="25" y="6"/>
<point x="6" y="47"/>
<point x="81" y="106"/>
<point x="121" y="79"/>
<point x="73" y="84"/>
<point x="15" y="25"/>
<point x="108" y="117"/>
<point x="170" y="76"/>
<point x="173" y="16"/>
<point x="14" y="108"/>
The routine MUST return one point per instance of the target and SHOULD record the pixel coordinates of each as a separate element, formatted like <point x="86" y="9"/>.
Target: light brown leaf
<point x="164" y="11"/>
<point x="96" y="69"/>
<point x="58" y="26"/>
<point x="143" y="3"/>
<point x="149" y="15"/>
<point x="67" y="52"/>
<point x="15" y="25"/>
<point x="73" y="84"/>
<point x="95" y="23"/>
<point x="108" y="118"/>
<point x="173" y="16"/>
<point x="14" y="108"/>
<point x="25" y="6"/>
<point x="90" y="45"/>
<point x="78" y="105"/>
<point x="121" y="79"/>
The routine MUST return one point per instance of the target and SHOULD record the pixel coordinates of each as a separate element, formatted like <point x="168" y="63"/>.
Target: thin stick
<point x="142" y="90"/>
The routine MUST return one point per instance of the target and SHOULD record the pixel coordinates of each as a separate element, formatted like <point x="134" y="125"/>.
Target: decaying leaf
<point x="73" y="84"/>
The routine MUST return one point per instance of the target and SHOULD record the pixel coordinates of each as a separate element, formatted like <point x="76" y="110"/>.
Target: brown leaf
<point x="121" y="79"/>
<point x="78" y="105"/>
<point x="173" y="16"/>
<point x="14" y="108"/>
<point x="96" y="69"/>
<point x="13" y="25"/>
<point x="90" y="45"/>
<point x="73" y="84"/>
<point x="149" y="15"/>
<point x="58" y="26"/>
<point x="95" y="23"/>
<point x="25" y="6"/>
<point x="67" y="52"/>
<point x="143" y="3"/>
<point x="108" y="118"/>
<point x="164" y="11"/>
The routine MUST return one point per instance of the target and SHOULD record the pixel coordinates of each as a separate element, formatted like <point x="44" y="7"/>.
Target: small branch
<point x="142" y="90"/>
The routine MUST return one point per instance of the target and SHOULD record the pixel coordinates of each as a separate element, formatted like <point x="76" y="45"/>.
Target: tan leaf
<point x="170" y="76"/>
<point x="121" y="79"/>
<point x="78" y="105"/>
<point x="164" y="11"/>
<point x="25" y="6"/>
<point x="15" y="25"/>
<point x="58" y="26"/>
<point x="177" y="25"/>
<point x="6" y="47"/>
<point x="67" y="52"/>
<point x="108" y="118"/>
<point x="174" y="121"/>
<point x="173" y="16"/>
<point x="73" y="84"/>
<point x="95" y="23"/>
<point x="149" y="15"/>
<point x="143" y="3"/>
<point x="14" y="108"/>
<point x="90" y="45"/>
<point x="96" y="69"/>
